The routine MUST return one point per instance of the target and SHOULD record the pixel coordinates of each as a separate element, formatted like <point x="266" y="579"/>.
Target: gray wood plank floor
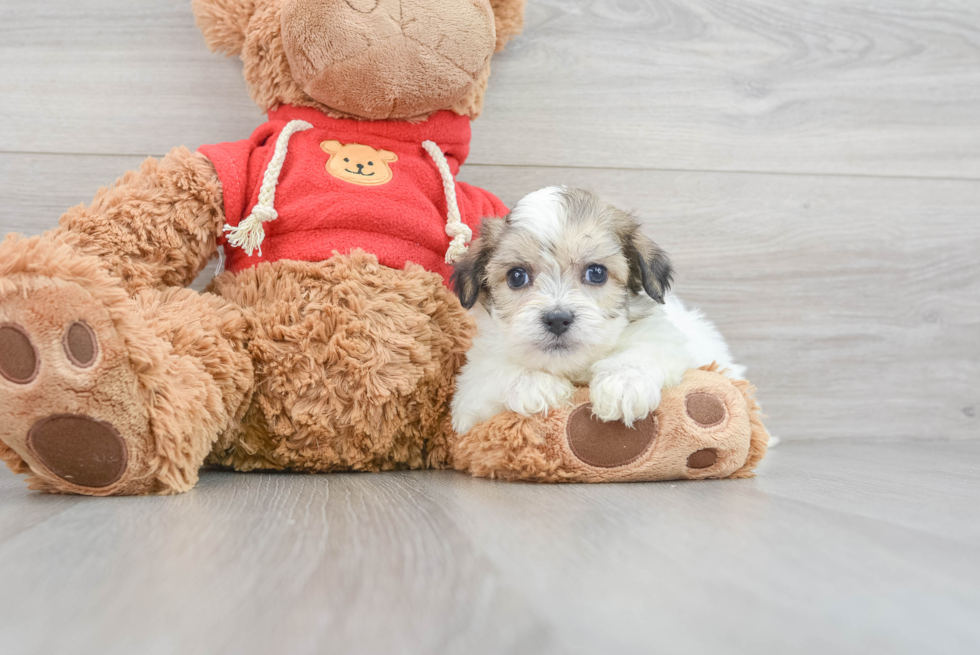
<point x="814" y="168"/>
<point x="838" y="547"/>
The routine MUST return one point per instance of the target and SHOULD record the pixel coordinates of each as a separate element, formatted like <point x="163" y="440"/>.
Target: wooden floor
<point x="814" y="169"/>
<point x="838" y="547"/>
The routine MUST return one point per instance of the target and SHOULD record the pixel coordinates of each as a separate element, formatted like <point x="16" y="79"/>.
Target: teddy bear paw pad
<point x="608" y="445"/>
<point x="706" y="410"/>
<point x="71" y="408"/>
<point x="18" y="356"/>
<point x="79" y="449"/>
<point x="81" y="345"/>
<point x="702" y="459"/>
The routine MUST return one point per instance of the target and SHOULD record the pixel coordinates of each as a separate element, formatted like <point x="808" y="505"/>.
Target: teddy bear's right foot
<point x="70" y="406"/>
<point x="71" y="409"/>
<point x="95" y="396"/>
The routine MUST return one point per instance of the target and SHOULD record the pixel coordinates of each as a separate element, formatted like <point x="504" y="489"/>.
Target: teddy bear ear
<point x="509" y="18"/>
<point x="224" y="23"/>
<point x="388" y="156"/>
<point x="330" y="147"/>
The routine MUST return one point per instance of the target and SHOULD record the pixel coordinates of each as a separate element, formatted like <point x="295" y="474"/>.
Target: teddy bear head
<point x="366" y="59"/>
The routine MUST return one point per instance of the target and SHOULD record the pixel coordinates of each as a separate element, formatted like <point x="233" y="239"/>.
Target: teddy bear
<point x="331" y="339"/>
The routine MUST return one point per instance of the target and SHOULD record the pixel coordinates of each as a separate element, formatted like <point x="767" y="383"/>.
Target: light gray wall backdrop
<point x="814" y="170"/>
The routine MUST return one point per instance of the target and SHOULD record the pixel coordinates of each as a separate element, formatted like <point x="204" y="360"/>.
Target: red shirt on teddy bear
<point x="341" y="184"/>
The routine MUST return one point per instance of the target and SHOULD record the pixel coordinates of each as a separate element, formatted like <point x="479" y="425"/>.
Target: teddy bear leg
<point x="105" y="394"/>
<point x="706" y="427"/>
<point x="354" y="363"/>
<point x="156" y="227"/>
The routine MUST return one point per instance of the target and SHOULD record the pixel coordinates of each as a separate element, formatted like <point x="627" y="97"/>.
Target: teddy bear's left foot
<point x="706" y="427"/>
<point x="702" y="429"/>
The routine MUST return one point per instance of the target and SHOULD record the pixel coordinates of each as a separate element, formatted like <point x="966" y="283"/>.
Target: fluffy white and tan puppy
<point x="569" y="292"/>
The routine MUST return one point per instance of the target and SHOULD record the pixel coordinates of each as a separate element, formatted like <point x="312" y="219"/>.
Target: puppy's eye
<point x="517" y="278"/>
<point x="596" y="274"/>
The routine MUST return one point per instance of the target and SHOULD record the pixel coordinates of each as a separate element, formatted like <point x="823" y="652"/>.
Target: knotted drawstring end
<point x="461" y="235"/>
<point x="456" y="250"/>
<point x="459" y="231"/>
<point x="249" y="234"/>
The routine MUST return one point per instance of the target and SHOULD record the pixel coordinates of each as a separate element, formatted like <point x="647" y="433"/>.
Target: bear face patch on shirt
<point x="359" y="164"/>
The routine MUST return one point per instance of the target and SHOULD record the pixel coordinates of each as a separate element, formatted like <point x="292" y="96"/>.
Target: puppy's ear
<point x="470" y="271"/>
<point x="650" y="267"/>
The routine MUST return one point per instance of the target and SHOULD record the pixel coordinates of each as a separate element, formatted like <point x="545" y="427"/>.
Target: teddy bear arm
<point x="156" y="227"/>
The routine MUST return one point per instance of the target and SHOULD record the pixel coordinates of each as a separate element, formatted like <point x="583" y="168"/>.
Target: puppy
<point x="571" y="293"/>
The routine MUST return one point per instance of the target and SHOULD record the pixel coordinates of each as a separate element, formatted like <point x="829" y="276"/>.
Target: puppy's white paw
<point x="464" y="423"/>
<point x="535" y="392"/>
<point x="625" y="393"/>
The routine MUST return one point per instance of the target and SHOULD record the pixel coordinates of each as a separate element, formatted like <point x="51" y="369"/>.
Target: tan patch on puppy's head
<point x="359" y="164"/>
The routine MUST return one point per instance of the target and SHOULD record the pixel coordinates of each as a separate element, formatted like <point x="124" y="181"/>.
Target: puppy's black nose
<point x="558" y="322"/>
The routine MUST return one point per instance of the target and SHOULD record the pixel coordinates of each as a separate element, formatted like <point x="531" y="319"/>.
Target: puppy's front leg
<point x="535" y="392"/>
<point x="626" y="386"/>
<point x="488" y="386"/>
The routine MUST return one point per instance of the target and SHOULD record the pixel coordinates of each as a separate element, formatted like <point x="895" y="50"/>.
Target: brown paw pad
<point x="80" y="344"/>
<point x="608" y="445"/>
<point x="706" y="410"/>
<point x="703" y="459"/>
<point x="79" y="449"/>
<point x="19" y="362"/>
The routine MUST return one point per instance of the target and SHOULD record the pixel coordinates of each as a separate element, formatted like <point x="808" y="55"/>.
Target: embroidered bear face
<point x="352" y="162"/>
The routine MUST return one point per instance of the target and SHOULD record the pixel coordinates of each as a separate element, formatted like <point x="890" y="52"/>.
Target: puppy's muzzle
<point x="558" y="322"/>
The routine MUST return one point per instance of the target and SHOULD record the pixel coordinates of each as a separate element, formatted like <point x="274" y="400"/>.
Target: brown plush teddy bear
<point x="332" y="341"/>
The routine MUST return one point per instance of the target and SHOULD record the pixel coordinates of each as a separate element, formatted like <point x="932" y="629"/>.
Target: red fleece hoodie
<point x="383" y="193"/>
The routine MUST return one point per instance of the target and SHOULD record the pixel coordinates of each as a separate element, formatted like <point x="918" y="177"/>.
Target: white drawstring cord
<point x="459" y="231"/>
<point x="249" y="234"/>
<point x="221" y="262"/>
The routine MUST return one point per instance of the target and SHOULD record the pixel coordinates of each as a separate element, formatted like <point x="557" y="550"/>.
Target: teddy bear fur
<point x="343" y="364"/>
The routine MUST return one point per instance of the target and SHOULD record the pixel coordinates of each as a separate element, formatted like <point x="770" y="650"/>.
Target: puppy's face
<point x="562" y="276"/>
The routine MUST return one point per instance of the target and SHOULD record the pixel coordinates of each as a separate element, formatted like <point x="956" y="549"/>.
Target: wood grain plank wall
<point x="813" y="167"/>
<point x="885" y="87"/>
